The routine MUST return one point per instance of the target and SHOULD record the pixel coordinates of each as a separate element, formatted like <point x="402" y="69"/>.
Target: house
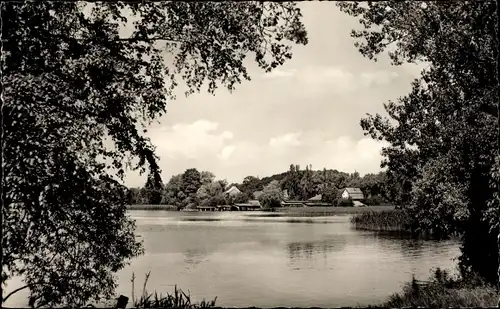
<point x="246" y="206"/>
<point x="232" y="191"/>
<point x="353" y="193"/>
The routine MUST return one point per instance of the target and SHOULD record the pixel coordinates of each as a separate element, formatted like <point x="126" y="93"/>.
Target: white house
<point x="353" y="193"/>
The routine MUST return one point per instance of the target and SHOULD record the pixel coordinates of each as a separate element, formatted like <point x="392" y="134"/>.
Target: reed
<point x="383" y="221"/>
<point x="153" y="207"/>
<point x="331" y="211"/>
<point x="178" y="299"/>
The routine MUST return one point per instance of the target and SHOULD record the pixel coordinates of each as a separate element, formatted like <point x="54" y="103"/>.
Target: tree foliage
<point x="69" y="80"/>
<point x="443" y="134"/>
<point x="272" y="195"/>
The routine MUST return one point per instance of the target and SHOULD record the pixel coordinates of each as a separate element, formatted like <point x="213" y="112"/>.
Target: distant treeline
<point x="200" y="188"/>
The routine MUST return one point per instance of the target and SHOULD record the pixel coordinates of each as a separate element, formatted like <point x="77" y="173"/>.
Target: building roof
<point x="316" y="198"/>
<point x="358" y="204"/>
<point x="353" y="190"/>
<point x="247" y="205"/>
<point x="355" y="193"/>
<point x="233" y="190"/>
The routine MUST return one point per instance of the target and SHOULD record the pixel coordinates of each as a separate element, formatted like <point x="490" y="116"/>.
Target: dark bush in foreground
<point x="444" y="292"/>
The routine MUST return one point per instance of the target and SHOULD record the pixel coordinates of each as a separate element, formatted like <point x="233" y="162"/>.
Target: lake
<point x="264" y="260"/>
<point x="270" y="260"/>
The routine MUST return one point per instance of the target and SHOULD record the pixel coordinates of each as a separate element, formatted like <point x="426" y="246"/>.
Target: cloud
<point x="226" y="152"/>
<point x="277" y="73"/>
<point x="190" y="140"/>
<point x="202" y="146"/>
<point x="289" y="139"/>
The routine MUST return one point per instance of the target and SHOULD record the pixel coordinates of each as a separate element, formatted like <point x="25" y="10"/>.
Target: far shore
<point x="306" y="211"/>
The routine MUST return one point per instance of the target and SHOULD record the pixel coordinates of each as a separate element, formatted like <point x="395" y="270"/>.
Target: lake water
<point x="264" y="260"/>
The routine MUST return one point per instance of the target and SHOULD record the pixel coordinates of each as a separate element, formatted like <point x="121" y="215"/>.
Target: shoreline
<point x="314" y="211"/>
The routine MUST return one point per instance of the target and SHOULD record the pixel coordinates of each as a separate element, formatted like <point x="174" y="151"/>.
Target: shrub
<point x="345" y="202"/>
<point x="442" y="291"/>
<point x="373" y="200"/>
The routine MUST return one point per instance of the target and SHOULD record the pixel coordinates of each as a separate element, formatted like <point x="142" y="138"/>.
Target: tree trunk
<point x="498" y="119"/>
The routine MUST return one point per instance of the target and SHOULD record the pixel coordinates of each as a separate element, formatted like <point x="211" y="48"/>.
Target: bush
<point x="345" y="202"/>
<point x="373" y="200"/>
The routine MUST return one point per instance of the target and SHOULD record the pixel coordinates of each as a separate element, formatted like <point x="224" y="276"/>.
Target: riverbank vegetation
<point x="443" y="291"/>
<point x="332" y="211"/>
<point x="384" y="221"/>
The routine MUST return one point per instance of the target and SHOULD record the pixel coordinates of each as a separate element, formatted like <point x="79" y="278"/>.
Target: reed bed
<point x="383" y="221"/>
<point x="153" y="207"/>
<point x="331" y="211"/>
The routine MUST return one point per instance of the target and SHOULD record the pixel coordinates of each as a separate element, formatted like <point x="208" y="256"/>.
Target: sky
<point x="307" y="111"/>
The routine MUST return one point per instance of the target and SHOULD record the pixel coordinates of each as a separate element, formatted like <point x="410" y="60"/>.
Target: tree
<point x="251" y="184"/>
<point x="68" y="80"/>
<point x="154" y="189"/>
<point x="208" y="191"/>
<point x="330" y="195"/>
<point x="271" y="196"/>
<point x="291" y="182"/>
<point x="443" y="135"/>
<point x="172" y="191"/>
<point x="242" y="197"/>
<point x="190" y="183"/>
<point x="207" y="177"/>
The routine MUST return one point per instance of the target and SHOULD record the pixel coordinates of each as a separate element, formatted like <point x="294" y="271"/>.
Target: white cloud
<point x="276" y="73"/>
<point x="286" y="140"/>
<point x="226" y="152"/>
<point x="199" y="145"/>
<point x="190" y="140"/>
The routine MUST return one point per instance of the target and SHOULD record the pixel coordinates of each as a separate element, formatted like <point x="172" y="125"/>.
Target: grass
<point x="383" y="221"/>
<point x="178" y="299"/>
<point x="442" y="291"/>
<point x="332" y="211"/>
<point x="153" y="207"/>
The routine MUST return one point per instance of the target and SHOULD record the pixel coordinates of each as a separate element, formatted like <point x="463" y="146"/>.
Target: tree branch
<point x="4" y="299"/>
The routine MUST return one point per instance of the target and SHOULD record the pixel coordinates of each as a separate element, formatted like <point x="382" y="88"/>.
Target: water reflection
<point x="307" y="250"/>
<point x="193" y="257"/>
